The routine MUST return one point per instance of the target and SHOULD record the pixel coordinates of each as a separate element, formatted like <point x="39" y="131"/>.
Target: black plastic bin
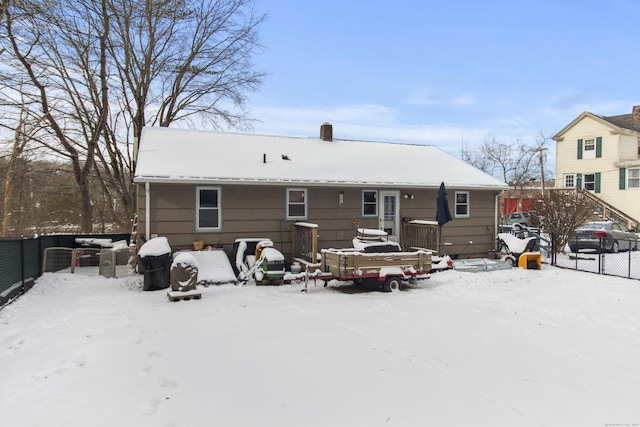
<point x="156" y="270"/>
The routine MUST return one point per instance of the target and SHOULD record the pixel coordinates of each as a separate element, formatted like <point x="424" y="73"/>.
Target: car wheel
<point x="615" y="247"/>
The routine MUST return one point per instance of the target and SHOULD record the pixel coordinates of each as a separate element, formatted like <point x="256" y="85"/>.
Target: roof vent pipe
<point x="326" y="132"/>
<point x="264" y="158"/>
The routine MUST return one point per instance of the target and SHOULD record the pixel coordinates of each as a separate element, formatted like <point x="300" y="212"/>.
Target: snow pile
<point x="518" y="347"/>
<point x="515" y="244"/>
<point x="271" y="254"/>
<point x="185" y="259"/>
<point x="213" y="266"/>
<point x="102" y="242"/>
<point x="155" y="247"/>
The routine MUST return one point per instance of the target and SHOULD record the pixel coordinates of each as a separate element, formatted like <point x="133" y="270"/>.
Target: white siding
<point x="628" y="147"/>
<point x="567" y="150"/>
<point x="615" y="147"/>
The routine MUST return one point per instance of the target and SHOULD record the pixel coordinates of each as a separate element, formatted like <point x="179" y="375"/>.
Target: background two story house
<point x="601" y="155"/>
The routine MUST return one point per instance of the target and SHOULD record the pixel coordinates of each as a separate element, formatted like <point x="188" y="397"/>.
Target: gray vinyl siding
<point x="260" y="211"/>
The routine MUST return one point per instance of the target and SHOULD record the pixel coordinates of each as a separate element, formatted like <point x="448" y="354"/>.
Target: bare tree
<point x="561" y="211"/>
<point x="516" y="163"/>
<point x="176" y="60"/>
<point x="101" y="70"/>
<point x="4" y="4"/>
<point x="60" y="49"/>
<point x="22" y="135"/>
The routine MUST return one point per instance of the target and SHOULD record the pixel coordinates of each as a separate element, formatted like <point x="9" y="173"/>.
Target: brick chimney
<point x="635" y="115"/>
<point x="326" y="132"/>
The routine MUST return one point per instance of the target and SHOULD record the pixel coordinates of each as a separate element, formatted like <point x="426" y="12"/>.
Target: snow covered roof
<point x="170" y="155"/>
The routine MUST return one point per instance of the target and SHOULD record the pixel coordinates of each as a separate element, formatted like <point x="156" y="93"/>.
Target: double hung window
<point x="633" y="178"/>
<point x="462" y="208"/>
<point x="208" y="209"/>
<point x="370" y="203"/>
<point x="296" y="203"/>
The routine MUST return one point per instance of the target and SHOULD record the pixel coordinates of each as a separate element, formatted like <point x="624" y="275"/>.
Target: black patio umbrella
<point x="443" y="215"/>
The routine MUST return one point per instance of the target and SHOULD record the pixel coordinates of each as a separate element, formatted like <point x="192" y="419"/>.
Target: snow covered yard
<point x="504" y="348"/>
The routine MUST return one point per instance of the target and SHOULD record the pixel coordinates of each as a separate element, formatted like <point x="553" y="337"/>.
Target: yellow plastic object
<point x="530" y="261"/>
<point x="259" y="248"/>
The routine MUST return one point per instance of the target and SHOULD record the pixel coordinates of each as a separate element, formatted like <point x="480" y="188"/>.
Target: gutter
<point x="313" y="183"/>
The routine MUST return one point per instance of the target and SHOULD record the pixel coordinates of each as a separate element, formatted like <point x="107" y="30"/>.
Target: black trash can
<point x="154" y="258"/>
<point x="156" y="270"/>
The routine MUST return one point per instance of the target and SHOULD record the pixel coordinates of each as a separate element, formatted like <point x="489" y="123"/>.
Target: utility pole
<point x="541" y="150"/>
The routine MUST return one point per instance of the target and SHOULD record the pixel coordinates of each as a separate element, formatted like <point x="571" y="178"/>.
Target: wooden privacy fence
<point x="421" y="234"/>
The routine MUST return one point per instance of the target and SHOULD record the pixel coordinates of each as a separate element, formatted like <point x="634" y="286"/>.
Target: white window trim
<point x="629" y="187"/>
<point x="564" y="180"/>
<point x="468" y="204"/>
<point x="306" y="205"/>
<point x="584" y="181"/>
<point x="589" y="154"/>
<point x="375" y="204"/>
<point x="198" y="208"/>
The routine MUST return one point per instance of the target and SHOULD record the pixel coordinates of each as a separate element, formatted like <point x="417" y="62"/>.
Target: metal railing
<point x="611" y="212"/>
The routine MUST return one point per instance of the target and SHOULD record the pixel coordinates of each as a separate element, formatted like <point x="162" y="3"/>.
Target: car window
<point x="622" y="228"/>
<point x="592" y="226"/>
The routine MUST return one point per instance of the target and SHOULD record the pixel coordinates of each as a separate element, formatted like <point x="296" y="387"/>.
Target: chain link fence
<point x="621" y="262"/>
<point x="621" y="259"/>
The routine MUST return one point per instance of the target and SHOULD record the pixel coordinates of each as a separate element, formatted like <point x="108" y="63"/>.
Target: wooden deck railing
<point x="420" y="234"/>
<point x="305" y="243"/>
<point x="611" y="212"/>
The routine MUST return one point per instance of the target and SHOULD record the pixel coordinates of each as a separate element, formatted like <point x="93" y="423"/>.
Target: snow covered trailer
<point x="387" y="269"/>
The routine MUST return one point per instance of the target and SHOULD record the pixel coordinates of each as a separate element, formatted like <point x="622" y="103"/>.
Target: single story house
<point x="217" y="187"/>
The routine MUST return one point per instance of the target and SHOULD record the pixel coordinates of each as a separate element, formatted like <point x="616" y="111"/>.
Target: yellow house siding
<point x="616" y="147"/>
<point x="628" y="147"/>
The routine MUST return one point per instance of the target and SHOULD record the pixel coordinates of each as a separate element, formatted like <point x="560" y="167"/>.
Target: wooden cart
<point x="387" y="269"/>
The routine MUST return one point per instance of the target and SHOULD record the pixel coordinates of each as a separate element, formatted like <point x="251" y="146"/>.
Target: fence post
<point x="601" y="256"/>
<point x="629" y="261"/>
<point x="23" y="264"/>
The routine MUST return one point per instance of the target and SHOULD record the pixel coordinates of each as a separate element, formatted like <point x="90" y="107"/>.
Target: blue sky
<point x="444" y="73"/>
